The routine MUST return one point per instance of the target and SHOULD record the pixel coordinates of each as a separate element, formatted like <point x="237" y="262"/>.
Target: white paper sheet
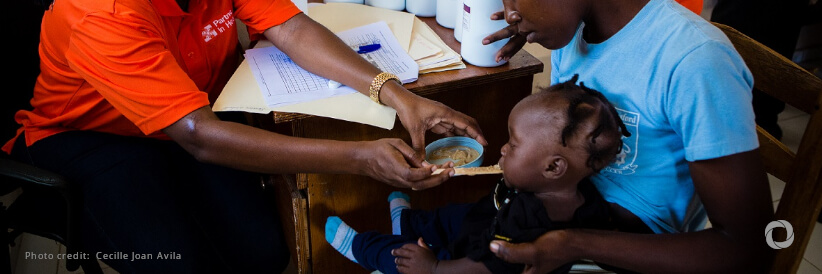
<point x="242" y="93"/>
<point x="391" y="57"/>
<point x="282" y="82"/>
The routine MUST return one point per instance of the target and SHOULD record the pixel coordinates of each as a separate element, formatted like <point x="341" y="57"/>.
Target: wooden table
<point x="305" y="201"/>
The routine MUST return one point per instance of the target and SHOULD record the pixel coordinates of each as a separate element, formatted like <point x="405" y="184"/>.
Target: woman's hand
<point x="418" y="115"/>
<point x="392" y="161"/>
<point x="514" y="44"/>
<point x="338" y="62"/>
<point x="546" y="253"/>
<point x="415" y="258"/>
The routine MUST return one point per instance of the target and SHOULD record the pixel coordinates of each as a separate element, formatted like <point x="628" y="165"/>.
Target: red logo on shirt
<point x="218" y="26"/>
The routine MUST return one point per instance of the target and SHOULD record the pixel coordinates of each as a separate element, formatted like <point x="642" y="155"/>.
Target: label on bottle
<point x="466" y="18"/>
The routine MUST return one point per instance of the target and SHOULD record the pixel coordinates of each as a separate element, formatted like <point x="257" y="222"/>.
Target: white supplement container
<point x="422" y="8"/>
<point x="458" y="28"/>
<point x="446" y="16"/>
<point x="477" y="26"/>
<point x="387" y="4"/>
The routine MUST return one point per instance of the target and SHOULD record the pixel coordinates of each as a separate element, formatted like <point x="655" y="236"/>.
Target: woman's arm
<point x="315" y="48"/>
<point x="240" y="146"/>
<point x="736" y="196"/>
<point x="318" y="50"/>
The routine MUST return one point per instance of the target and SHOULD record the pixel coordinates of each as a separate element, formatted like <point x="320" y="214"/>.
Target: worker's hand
<point x="418" y="115"/>
<point x="394" y="162"/>
<point x="514" y="44"/>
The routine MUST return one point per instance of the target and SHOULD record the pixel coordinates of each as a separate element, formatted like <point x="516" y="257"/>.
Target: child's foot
<point x="397" y="201"/>
<point x="340" y="236"/>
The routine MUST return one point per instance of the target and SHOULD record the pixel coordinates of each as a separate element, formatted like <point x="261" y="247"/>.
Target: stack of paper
<point x="430" y="52"/>
<point x="421" y="42"/>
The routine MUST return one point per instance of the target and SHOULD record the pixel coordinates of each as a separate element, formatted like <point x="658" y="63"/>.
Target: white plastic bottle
<point x="446" y="16"/>
<point x="422" y="8"/>
<point x="477" y="26"/>
<point x="459" y="24"/>
<point x="387" y="4"/>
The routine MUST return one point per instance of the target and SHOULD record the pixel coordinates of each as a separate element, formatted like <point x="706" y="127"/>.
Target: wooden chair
<point x="800" y="170"/>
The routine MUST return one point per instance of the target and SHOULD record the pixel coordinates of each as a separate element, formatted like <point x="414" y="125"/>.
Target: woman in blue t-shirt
<point x="685" y="94"/>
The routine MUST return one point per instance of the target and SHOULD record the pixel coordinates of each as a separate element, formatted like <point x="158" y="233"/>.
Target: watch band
<point x="377" y="83"/>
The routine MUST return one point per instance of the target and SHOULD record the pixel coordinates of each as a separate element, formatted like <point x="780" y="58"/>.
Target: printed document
<point x="282" y="82"/>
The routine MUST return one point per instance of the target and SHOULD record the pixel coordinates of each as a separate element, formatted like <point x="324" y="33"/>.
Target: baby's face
<point x="531" y="138"/>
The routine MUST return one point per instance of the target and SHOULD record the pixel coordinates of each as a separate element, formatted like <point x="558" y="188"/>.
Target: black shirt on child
<point x="521" y="218"/>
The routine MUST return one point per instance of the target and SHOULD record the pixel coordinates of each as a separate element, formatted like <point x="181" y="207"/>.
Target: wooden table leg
<point x="292" y="206"/>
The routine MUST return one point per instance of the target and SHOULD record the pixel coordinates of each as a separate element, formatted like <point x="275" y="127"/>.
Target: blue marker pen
<point x="369" y="48"/>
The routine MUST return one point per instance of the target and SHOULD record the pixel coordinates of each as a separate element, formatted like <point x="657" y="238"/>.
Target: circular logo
<point x="769" y="234"/>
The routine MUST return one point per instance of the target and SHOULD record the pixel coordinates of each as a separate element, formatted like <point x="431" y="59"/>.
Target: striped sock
<point x="397" y="201"/>
<point x="340" y="236"/>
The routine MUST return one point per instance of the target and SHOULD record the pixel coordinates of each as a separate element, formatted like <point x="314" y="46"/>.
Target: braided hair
<point x="584" y="103"/>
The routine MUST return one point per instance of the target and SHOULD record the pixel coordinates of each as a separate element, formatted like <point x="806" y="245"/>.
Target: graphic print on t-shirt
<point x="218" y="26"/>
<point x="624" y="164"/>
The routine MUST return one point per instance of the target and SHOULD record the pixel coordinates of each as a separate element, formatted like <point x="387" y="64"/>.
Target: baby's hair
<point x="600" y="155"/>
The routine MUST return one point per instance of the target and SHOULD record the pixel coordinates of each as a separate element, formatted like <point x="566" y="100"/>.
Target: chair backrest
<point x="800" y="170"/>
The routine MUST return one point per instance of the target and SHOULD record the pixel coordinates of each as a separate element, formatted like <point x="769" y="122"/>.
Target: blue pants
<point x="150" y="196"/>
<point x="438" y="228"/>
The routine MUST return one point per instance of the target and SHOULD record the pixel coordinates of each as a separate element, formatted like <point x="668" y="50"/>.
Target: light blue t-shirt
<point x="685" y="95"/>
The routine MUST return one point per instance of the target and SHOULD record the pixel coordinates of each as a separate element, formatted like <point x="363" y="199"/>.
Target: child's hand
<point x="415" y="258"/>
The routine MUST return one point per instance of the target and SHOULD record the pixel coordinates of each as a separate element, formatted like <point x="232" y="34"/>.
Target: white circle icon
<point x="769" y="234"/>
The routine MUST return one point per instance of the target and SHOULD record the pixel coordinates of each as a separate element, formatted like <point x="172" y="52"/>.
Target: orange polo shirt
<point x="134" y="67"/>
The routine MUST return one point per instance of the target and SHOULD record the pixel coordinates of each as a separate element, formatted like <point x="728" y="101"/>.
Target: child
<point x="558" y="137"/>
